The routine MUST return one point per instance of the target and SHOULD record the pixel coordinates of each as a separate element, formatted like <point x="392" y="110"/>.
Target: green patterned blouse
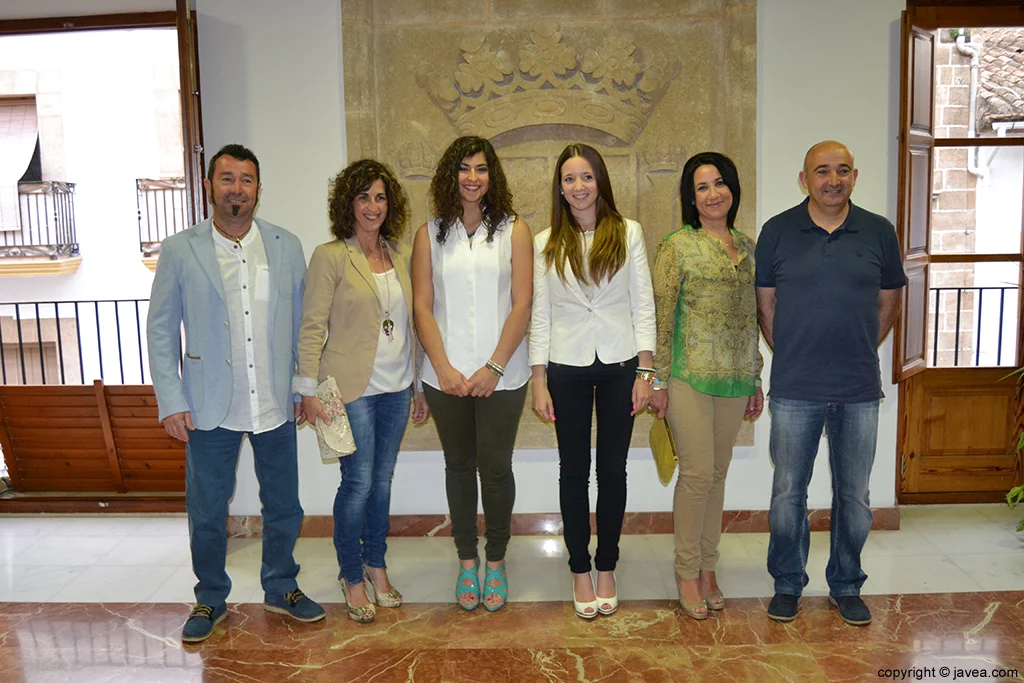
<point x="707" y="314"/>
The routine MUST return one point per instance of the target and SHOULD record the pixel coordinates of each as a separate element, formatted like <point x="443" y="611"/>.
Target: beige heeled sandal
<point x="362" y="615"/>
<point x="715" y="600"/>
<point x="695" y="609"/>
<point x="391" y="598"/>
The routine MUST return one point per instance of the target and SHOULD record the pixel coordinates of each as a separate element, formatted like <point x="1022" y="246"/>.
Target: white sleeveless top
<point x="392" y="366"/>
<point x="472" y="299"/>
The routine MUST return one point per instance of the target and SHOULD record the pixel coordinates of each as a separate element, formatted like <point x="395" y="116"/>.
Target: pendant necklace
<point x="388" y="325"/>
<point x="236" y="240"/>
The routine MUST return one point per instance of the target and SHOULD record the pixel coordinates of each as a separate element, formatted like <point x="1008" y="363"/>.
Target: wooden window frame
<point x="932" y="15"/>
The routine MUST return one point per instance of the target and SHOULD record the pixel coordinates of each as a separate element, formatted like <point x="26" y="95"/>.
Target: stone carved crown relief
<point x="611" y="87"/>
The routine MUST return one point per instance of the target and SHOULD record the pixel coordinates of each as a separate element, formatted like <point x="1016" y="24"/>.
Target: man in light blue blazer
<point x="236" y="283"/>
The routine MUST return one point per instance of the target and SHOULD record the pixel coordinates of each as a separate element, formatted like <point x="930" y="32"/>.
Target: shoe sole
<point x="782" y="619"/>
<point x="584" y="615"/>
<point x="851" y="622"/>
<point x="785" y="618"/>
<point x="282" y="610"/>
<point x="194" y="639"/>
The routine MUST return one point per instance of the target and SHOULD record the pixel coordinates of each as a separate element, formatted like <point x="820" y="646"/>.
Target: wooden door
<point x="956" y="439"/>
<point x="958" y="443"/>
<point x="191" y="111"/>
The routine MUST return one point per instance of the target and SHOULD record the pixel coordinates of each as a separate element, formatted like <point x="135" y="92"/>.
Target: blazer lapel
<point x="275" y="264"/>
<point x="362" y="266"/>
<point x="202" y="246"/>
<point x="573" y="285"/>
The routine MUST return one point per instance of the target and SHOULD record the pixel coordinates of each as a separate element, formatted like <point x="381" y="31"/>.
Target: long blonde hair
<point x="608" y="254"/>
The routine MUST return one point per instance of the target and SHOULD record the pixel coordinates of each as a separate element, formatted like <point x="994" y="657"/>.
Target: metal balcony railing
<point x="47" y="212"/>
<point x="74" y="342"/>
<point x="162" y="211"/>
<point x="988" y="313"/>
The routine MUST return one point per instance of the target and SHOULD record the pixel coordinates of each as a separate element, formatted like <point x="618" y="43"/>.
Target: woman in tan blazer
<point x="357" y="326"/>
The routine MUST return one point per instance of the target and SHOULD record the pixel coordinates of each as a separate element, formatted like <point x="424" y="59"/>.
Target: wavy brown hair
<point x="608" y="253"/>
<point x="355" y="179"/>
<point x="444" y="188"/>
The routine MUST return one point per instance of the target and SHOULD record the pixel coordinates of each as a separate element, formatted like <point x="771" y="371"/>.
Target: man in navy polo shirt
<point x="828" y="283"/>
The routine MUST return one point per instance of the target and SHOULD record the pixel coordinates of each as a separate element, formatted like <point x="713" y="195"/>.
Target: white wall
<point x="827" y="70"/>
<point x="271" y="80"/>
<point x="271" y="76"/>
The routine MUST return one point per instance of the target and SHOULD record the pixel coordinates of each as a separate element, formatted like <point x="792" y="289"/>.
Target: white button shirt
<point x="472" y="299"/>
<point x="246" y="276"/>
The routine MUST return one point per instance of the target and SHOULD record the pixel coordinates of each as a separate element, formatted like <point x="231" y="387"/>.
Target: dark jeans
<point x="574" y="393"/>
<point x="362" y="505"/>
<point x="211" y="458"/>
<point x="795" y="434"/>
<point x="478" y="434"/>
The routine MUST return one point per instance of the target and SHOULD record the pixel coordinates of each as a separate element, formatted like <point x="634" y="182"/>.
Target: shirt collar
<point x="848" y="225"/>
<point x="248" y="240"/>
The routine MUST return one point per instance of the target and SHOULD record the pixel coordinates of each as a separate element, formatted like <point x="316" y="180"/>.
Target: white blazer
<point x="568" y="329"/>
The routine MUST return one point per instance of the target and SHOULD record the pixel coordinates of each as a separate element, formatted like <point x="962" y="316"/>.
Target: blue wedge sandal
<point x="473" y="587"/>
<point x="501" y="590"/>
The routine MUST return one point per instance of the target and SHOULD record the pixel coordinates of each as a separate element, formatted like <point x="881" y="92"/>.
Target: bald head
<point x="825" y="147"/>
<point x="828" y="176"/>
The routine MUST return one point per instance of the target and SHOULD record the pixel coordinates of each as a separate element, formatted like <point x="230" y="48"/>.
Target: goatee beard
<point x="234" y="209"/>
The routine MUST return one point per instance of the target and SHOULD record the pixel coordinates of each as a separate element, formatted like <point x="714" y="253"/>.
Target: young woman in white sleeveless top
<point x="472" y="278"/>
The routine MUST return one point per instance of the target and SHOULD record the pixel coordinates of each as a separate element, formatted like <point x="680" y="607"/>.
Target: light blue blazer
<point x="188" y="289"/>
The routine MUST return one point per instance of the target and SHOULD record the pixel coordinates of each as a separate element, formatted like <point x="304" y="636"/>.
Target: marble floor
<point x="103" y="599"/>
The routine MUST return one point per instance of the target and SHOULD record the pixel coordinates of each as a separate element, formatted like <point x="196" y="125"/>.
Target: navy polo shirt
<point x="826" y="310"/>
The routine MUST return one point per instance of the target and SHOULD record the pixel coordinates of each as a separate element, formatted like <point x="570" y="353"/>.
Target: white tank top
<point x="472" y="299"/>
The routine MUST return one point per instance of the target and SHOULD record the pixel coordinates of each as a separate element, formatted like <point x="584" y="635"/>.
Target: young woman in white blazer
<point x="592" y="339"/>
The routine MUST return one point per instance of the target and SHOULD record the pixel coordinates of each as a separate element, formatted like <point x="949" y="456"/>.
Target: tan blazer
<point x="342" y="303"/>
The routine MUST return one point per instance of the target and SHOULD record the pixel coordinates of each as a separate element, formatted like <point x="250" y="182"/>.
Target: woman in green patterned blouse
<point x="707" y="356"/>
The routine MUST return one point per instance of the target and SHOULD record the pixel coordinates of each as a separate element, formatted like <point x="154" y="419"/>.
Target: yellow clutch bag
<point x="663" y="446"/>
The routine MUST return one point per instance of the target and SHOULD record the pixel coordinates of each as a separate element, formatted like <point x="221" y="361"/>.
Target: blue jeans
<point x="362" y="506"/>
<point x="211" y="458"/>
<point x="852" y="430"/>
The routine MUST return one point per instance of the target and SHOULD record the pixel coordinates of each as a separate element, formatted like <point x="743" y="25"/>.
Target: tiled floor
<point x="938" y="549"/>
<point x="103" y="599"/>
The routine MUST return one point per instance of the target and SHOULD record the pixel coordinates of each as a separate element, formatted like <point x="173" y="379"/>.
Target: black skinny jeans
<point x="574" y="393"/>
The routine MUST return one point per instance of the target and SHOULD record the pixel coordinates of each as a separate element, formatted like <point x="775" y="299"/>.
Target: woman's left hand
<point x="482" y="383"/>
<point x="642" y="392"/>
<point x="755" y="404"/>
<point x="420" y="409"/>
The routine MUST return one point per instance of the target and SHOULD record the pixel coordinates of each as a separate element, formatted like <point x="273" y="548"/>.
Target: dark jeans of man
<point x="796" y="427"/>
<point x="211" y="458"/>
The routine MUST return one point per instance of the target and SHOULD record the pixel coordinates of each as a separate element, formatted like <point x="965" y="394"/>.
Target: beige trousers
<point x="705" y="429"/>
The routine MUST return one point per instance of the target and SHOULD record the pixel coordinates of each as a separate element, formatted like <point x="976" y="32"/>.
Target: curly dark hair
<point x="444" y="188"/>
<point x="356" y="178"/>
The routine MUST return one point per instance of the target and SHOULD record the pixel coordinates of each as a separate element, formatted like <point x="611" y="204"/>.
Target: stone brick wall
<point x="646" y="83"/>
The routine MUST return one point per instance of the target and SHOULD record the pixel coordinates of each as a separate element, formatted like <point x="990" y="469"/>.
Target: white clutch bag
<point x="335" y="440"/>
